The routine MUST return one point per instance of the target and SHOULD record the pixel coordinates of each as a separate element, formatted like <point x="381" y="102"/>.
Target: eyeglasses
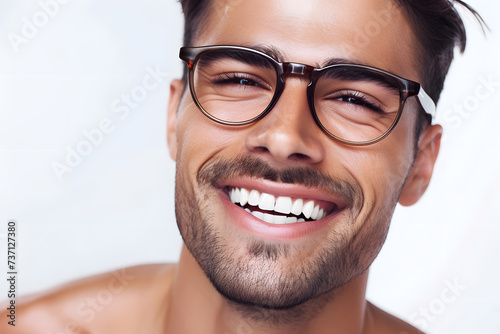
<point x="355" y="104"/>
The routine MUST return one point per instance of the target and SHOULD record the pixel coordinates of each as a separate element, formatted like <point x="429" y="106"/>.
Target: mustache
<point x="215" y="171"/>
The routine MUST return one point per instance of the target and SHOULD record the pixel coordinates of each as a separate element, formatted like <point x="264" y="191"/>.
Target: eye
<point x="246" y="82"/>
<point x="240" y="79"/>
<point x="357" y="98"/>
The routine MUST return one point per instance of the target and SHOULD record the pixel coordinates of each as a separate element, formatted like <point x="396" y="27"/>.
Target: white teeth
<point x="253" y="198"/>
<point x="258" y="214"/>
<point x="243" y="196"/>
<point x="266" y="202"/>
<point x="283" y="205"/>
<point x="274" y="219"/>
<point x="297" y="207"/>
<point x="231" y="195"/>
<point x="314" y="214"/>
<point x="236" y="195"/>
<point x="308" y="209"/>
<point x="279" y="219"/>
<point x="268" y="218"/>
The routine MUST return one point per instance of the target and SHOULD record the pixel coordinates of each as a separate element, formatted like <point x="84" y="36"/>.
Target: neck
<point x="196" y="307"/>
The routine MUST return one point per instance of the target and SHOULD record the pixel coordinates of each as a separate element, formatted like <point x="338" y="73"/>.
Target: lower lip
<point x="250" y="223"/>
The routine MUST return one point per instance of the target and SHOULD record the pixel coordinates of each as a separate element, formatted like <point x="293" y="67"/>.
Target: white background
<point x="116" y="208"/>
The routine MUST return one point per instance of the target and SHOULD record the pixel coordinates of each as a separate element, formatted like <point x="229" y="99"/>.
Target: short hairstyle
<point x="436" y="24"/>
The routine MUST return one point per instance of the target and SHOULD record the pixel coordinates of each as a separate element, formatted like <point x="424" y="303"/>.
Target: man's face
<point x="286" y="155"/>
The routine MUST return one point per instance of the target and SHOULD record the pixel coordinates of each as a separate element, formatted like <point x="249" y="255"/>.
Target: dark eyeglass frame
<point x="407" y="88"/>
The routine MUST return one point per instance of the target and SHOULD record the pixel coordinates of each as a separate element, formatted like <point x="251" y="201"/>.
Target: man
<point x="294" y="138"/>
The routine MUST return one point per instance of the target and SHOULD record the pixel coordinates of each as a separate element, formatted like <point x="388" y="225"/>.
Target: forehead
<point x="370" y="32"/>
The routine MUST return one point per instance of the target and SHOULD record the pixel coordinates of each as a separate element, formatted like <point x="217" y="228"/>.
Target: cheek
<point x="394" y="156"/>
<point x="199" y="139"/>
<point x="380" y="169"/>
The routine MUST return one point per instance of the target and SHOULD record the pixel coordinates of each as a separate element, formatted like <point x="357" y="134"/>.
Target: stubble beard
<point x="255" y="276"/>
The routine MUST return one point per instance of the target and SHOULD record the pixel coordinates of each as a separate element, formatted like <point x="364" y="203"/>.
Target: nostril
<point x="298" y="156"/>
<point x="262" y="149"/>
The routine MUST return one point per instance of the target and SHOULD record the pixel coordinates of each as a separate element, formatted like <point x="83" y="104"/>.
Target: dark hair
<point x="436" y="24"/>
<point x="439" y="29"/>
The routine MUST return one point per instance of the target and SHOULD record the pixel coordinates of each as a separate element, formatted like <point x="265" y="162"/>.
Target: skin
<point x="180" y="298"/>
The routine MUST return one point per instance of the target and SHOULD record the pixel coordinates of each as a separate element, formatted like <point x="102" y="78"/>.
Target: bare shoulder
<point x="379" y="321"/>
<point x="121" y="301"/>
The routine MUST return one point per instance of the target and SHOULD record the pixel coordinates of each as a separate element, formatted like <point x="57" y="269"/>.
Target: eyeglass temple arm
<point x="426" y="102"/>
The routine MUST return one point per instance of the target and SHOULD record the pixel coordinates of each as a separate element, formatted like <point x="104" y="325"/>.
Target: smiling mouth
<point x="280" y="209"/>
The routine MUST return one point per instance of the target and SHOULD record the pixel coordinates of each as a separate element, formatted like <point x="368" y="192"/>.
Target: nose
<point x="288" y="133"/>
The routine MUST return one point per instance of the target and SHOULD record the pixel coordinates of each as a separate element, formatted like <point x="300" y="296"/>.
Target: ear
<point x="420" y="175"/>
<point x="176" y="88"/>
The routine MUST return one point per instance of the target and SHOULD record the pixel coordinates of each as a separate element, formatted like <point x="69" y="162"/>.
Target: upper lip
<point x="286" y="189"/>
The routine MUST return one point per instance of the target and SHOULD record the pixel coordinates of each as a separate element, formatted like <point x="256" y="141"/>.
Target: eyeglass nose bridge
<point x="297" y="69"/>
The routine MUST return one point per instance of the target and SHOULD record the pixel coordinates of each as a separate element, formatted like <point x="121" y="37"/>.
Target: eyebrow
<point x="277" y="55"/>
<point x="239" y="55"/>
<point x="336" y="61"/>
<point x="271" y="51"/>
<point x="363" y="75"/>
